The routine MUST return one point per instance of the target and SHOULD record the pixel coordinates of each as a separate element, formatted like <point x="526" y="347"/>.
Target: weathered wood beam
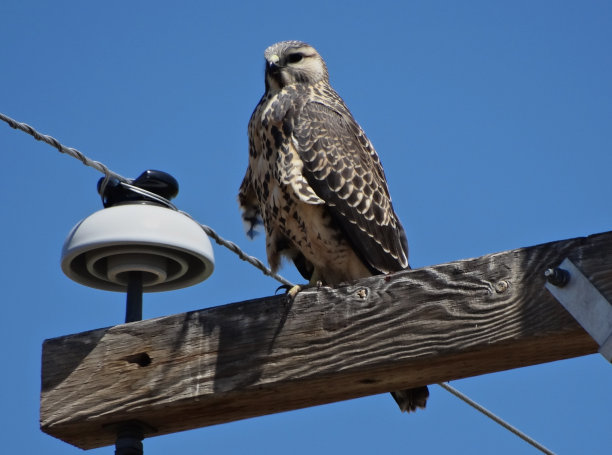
<point x="247" y="359"/>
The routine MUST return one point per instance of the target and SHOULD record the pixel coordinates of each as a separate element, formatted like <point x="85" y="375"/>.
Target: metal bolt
<point x="501" y="286"/>
<point x="557" y="276"/>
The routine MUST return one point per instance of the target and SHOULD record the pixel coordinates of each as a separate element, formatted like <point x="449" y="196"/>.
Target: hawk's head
<point x="293" y="62"/>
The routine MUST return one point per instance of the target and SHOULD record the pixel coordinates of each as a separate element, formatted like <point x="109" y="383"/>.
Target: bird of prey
<point x="317" y="184"/>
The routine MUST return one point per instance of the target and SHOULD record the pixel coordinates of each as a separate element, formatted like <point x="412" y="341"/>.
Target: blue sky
<point x="493" y="121"/>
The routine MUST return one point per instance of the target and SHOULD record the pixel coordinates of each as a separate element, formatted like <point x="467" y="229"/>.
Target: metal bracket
<point x="584" y="302"/>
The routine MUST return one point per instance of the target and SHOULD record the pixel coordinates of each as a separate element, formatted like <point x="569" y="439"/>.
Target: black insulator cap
<point x="157" y="182"/>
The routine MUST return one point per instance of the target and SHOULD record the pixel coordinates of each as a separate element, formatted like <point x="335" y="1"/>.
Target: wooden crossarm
<point x="268" y="355"/>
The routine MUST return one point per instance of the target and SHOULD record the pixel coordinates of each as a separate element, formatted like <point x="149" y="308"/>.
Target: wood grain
<point x="247" y="359"/>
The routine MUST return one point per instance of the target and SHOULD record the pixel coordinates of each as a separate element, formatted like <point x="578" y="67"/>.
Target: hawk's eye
<point x="295" y="57"/>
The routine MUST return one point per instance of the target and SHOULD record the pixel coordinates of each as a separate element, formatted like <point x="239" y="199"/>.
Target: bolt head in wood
<point x="557" y="276"/>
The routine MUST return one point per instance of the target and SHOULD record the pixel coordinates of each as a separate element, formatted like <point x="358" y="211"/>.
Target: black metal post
<point x="129" y="439"/>
<point x="131" y="434"/>
<point x="133" y="309"/>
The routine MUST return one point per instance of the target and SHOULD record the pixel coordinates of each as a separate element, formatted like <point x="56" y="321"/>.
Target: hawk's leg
<point x="292" y="291"/>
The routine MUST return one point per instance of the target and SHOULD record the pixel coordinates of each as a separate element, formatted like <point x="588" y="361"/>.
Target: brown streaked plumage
<point x="317" y="184"/>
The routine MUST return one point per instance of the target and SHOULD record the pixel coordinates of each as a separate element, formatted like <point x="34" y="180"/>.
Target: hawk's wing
<point x="342" y="167"/>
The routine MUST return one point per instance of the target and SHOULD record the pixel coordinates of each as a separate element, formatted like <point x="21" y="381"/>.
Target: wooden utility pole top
<point x="268" y="355"/>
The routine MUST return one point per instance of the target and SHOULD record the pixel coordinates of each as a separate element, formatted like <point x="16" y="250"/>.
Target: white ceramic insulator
<point x="170" y="249"/>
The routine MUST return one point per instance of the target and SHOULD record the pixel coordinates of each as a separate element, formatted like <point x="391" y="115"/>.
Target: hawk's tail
<point x="410" y="399"/>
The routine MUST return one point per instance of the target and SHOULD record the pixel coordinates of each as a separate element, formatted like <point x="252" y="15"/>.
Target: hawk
<point x="317" y="184"/>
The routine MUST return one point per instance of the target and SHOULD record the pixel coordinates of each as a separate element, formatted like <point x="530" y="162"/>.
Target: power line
<point x="235" y="249"/>
<point x="495" y="418"/>
<point x="62" y="149"/>
<point x="113" y="175"/>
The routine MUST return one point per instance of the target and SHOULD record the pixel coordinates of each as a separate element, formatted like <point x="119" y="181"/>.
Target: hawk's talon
<point x="290" y="291"/>
<point x="285" y="287"/>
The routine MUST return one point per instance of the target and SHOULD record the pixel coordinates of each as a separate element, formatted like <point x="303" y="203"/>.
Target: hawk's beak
<point x="273" y="63"/>
<point x="273" y="69"/>
<point x="272" y="66"/>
